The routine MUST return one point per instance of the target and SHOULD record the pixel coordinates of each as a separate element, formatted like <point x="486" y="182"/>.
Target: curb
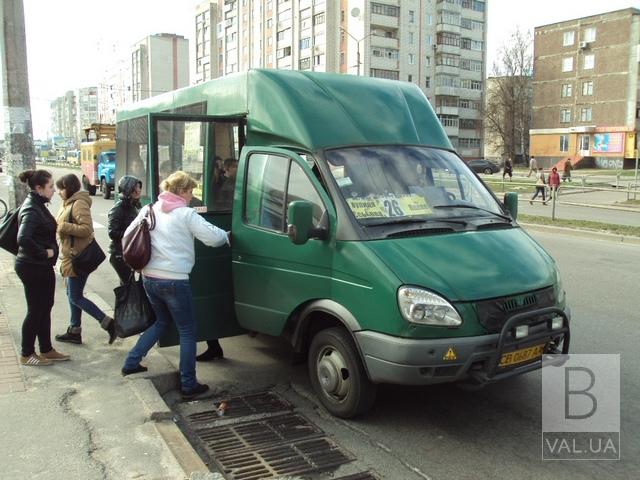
<point x="163" y="420"/>
<point x="610" y="237"/>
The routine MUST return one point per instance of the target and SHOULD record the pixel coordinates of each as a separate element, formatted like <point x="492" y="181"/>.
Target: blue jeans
<point x="172" y="302"/>
<point x="78" y="303"/>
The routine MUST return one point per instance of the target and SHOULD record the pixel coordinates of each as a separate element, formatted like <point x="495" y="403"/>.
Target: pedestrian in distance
<point x="554" y="183"/>
<point x="540" y="187"/>
<point x="566" y="170"/>
<point x="508" y="169"/>
<point x="120" y="217"/>
<point x="166" y="276"/>
<point x="77" y="208"/>
<point x="533" y="166"/>
<point x="37" y="255"/>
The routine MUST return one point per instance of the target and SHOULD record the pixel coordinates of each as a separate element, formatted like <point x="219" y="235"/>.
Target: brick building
<point x="586" y="90"/>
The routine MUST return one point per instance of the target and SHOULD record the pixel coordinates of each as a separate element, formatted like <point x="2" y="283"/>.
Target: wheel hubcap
<point x="333" y="373"/>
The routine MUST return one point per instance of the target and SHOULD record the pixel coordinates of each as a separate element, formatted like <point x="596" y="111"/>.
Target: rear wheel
<point x="106" y="191"/>
<point x="488" y="171"/>
<point x="338" y="375"/>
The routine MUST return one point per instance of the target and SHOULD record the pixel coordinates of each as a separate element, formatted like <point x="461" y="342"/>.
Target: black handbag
<point x="88" y="259"/>
<point x="9" y="231"/>
<point x="133" y="313"/>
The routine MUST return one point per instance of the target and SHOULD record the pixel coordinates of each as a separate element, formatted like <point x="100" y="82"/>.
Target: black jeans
<point x="120" y="266"/>
<point x="39" y="283"/>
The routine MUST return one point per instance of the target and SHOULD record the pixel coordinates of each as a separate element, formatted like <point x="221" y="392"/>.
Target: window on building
<point x="448" y="120"/>
<point x="412" y="16"/>
<point x="448" y="60"/>
<point x="449" y="17"/>
<point x="388" y="74"/>
<point x="409" y="78"/>
<point x="589" y="61"/>
<point x="411" y="59"/>
<point x="446" y="38"/>
<point x="587" y="88"/>
<point x="410" y="38"/>
<point x="589" y="35"/>
<point x="427" y="82"/>
<point x="585" y="114"/>
<point x="567" y="90"/>
<point x="318" y="19"/>
<point x="382" y="9"/>
<point x="305" y="63"/>
<point x="565" y="115"/>
<point x="427" y="61"/>
<point x="283" y="52"/>
<point x="569" y="38"/>
<point x="305" y="43"/>
<point x="567" y="64"/>
<point x="269" y="22"/>
<point x="564" y="143"/>
<point x="318" y="59"/>
<point x="283" y="34"/>
<point x="584" y="142"/>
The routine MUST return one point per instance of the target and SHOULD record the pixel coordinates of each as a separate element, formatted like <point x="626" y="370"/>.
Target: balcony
<point x="447" y="111"/>
<point x="384" y="20"/>
<point x="447" y="91"/>
<point x="383" y="63"/>
<point x="444" y="48"/>
<point x="448" y="70"/>
<point x="451" y="131"/>
<point x="472" y="94"/>
<point x="447" y="27"/>
<point x="384" y="42"/>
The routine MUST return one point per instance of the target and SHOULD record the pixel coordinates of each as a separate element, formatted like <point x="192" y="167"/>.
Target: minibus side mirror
<point x="300" y="228"/>
<point x="511" y="203"/>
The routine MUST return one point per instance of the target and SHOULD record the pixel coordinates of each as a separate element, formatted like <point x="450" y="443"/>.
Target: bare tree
<point x="508" y="100"/>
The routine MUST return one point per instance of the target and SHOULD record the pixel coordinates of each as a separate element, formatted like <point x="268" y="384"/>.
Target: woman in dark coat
<point x="37" y="255"/>
<point x="120" y="217"/>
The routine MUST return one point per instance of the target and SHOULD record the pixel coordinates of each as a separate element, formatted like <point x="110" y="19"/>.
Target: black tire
<point x="106" y="191"/>
<point x="92" y="190"/>
<point x="488" y="171"/>
<point x="350" y="393"/>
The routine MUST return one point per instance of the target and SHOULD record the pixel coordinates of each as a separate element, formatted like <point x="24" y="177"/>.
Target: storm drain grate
<point x="359" y="476"/>
<point x="259" y="403"/>
<point x="257" y="433"/>
<point x="295" y="458"/>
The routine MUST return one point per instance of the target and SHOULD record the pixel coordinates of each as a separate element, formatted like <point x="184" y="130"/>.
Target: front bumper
<point x="406" y="361"/>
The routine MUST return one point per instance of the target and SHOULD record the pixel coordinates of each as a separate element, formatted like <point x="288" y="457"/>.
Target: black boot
<point x="214" y="350"/>
<point x="109" y="325"/>
<point x="73" y="335"/>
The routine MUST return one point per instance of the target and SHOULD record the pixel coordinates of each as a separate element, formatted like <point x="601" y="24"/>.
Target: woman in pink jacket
<point x="554" y="182"/>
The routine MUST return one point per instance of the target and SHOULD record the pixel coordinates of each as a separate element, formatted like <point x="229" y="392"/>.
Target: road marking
<point x="97" y="225"/>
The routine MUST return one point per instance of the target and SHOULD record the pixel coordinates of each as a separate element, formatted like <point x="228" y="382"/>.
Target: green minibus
<point x="358" y="232"/>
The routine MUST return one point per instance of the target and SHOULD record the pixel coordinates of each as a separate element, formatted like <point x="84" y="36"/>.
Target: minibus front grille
<point x="495" y="312"/>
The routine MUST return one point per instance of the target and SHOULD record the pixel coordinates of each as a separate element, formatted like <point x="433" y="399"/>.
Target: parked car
<point x="483" y="166"/>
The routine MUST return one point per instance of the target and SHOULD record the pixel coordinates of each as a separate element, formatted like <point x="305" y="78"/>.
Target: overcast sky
<point x="71" y="42"/>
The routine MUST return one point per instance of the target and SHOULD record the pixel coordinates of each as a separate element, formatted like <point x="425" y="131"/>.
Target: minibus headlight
<point x="425" y="307"/>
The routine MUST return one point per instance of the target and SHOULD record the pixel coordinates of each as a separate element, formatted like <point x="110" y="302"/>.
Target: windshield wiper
<point x="475" y="207"/>
<point x="398" y="221"/>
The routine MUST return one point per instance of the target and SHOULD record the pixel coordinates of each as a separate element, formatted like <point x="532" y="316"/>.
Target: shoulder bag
<point x="9" y="231"/>
<point x="133" y="313"/>
<point x="88" y="259"/>
<point x="136" y="245"/>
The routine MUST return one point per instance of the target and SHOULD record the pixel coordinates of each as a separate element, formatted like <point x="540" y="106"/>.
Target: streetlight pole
<point x="358" y="45"/>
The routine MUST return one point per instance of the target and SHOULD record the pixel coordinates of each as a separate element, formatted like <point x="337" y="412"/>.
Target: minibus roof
<point x="311" y="110"/>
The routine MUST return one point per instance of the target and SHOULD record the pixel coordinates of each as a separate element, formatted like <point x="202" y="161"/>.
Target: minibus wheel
<point x="338" y="375"/>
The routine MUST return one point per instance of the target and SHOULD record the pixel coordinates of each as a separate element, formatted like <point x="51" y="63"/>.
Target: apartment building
<point x="437" y="44"/>
<point x="74" y="110"/>
<point x="114" y="91"/>
<point x="586" y="90"/>
<point x="159" y="63"/>
<point x="206" y="48"/>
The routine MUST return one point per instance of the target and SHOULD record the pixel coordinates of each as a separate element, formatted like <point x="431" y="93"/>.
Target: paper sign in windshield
<point x="389" y="206"/>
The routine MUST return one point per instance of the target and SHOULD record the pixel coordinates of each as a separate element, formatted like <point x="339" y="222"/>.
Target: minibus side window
<point x="264" y="194"/>
<point x="137" y="160"/>
<point x="301" y="188"/>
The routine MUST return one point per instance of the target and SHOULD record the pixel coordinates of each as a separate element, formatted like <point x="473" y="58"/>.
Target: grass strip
<point x="582" y="225"/>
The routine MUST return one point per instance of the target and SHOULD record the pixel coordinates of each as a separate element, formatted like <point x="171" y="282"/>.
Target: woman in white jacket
<point x="166" y="276"/>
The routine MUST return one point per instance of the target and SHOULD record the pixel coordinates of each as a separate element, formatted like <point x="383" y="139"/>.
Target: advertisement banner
<point x="608" y="142"/>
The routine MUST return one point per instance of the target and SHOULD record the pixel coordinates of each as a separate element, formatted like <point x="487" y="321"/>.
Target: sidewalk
<point x="81" y="419"/>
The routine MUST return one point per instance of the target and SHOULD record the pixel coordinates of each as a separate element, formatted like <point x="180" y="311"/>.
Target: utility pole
<point x="19" y="154"/>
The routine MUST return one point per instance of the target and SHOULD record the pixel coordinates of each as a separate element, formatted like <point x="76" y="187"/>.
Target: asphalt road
<point x="443" y="432"/>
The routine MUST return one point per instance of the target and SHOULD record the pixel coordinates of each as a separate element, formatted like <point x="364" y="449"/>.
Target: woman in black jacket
<point x="37" y="254"/>
<point x="120" y="216"/>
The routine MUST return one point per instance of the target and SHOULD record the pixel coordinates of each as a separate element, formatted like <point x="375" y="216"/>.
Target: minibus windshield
<point x="394" y="183"/>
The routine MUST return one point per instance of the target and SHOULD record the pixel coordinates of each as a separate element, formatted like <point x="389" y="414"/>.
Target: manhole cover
<point x="295" y="458"/>
<point x="257" y="433"/>
<point x="257" y="403"/>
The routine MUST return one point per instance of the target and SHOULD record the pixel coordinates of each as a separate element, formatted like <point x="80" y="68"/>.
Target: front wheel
<point x="338" y="375"/>
<point x="488" y="171"/>
<point x="106" y="191"/>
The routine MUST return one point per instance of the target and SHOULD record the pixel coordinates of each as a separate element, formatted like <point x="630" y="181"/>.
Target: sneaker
<point x="530" y="202"/>
<point x="55" y="356"/>
<point x="199" y="389"/>
<point x="34" y="360"/>
<point x="130" y="371"/>
<point x="73" y="335"/>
